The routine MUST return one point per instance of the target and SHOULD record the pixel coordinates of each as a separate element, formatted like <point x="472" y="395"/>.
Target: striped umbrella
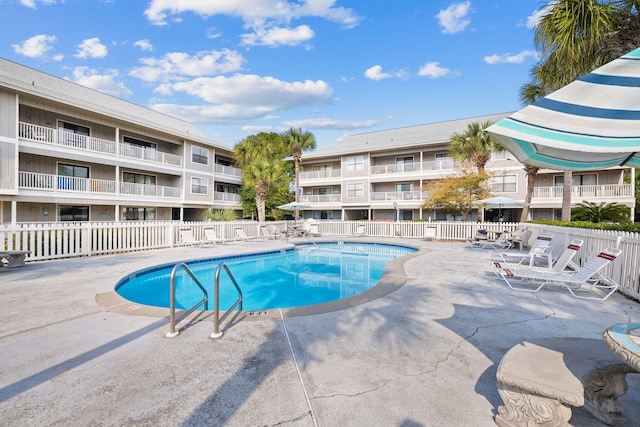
<point x="592" y="123"/>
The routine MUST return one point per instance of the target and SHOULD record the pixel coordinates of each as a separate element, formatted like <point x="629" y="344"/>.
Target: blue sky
<point x="331" y="67"/>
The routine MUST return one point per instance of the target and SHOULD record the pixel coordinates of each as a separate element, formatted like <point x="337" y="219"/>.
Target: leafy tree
<point x="455" y="195"/>
<point x="220" y="214"/>
<point x="262" y="175"/>
<point x="600" y="212"/>
<point x="295" y="143"/>
<point x="474" y="145"/>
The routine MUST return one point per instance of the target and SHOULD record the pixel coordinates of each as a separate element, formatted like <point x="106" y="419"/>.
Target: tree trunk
<point x="297" y="178"/>
<point x="531" y="171"/>
<point x="566" y="195"/>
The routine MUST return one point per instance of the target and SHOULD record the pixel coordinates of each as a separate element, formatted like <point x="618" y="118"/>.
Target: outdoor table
<point x="624" y="340"/>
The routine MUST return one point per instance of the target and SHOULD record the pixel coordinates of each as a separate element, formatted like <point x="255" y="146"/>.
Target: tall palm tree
<point x="531" y="172"/>
<point x="295" y="143"/>
<point x="571" y="38"/>
<point x="474" y="145"/>
<point x="261" y="175"/>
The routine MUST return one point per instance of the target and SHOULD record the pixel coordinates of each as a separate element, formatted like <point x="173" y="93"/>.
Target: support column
<point x="14" y="212"/>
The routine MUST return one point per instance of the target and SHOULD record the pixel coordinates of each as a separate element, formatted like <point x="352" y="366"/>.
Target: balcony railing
<point x="321" y="198"/>
<point x="63" y="138"/>
<point x="59" y="183"/>
<point x="579" y="192"/>
<point x="226" y="197"/>
<point x="228" y="170"/>
<point x="321" y="174"/>
<point x="396" y="195"/>
<point x="436" y="165"/>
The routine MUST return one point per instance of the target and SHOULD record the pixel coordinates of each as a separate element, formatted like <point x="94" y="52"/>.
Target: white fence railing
<point x="64" y="240"/>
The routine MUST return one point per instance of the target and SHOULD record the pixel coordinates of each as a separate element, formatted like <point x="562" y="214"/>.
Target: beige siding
<point x="8" y="153"/>
<point x="8" y="102"/>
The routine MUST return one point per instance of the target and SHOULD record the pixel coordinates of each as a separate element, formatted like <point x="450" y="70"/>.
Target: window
<point x="138" y="178"/>
<point x="72" y="177"/>
<point x="404" y="187"/>
<point x="73" y="213"/>
<point x="586" y="179"/>
<point x="504" y="184"/>
<point x="137" y="142"/>
<point x="404" y="164"/>
<point x="354" y="163"/>
<point x="320" y="191"/>
<point x="200" y="155"/>
<point x="355" y="190"/>
<point x="73" y="128"/>
<point x="199" y="186"/>
<point x="139" y="214"/>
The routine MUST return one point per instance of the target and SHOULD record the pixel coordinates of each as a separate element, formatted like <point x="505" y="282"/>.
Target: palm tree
<point x="473" y="145"/>
<point x="532" y="172"/>
<point x="602" y="212"/>
<point x="261" y="175"/>
<point x="570" y="38"/>
<point x="295" y="142"/>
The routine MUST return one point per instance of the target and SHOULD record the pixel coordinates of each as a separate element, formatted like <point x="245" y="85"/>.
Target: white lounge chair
<point x="272" y="232"/>
<point x="540" y="249"/>
<point x="211" y="237"/>
<point x="186" y="237"/>
<point x="585" y="279"/>
<point x="242" y="235"/>
<point x="502" y="242"/>
<point x="361" y="230"/>
<point x="559" y="265"/>
<point x="481" y="237"/>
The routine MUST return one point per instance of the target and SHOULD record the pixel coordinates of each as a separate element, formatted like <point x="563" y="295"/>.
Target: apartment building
<point x="380" y="176"/>
<point x="70" y="153"/>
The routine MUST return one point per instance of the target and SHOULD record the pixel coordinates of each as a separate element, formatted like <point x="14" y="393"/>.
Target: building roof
<point x="28" y="80"/>
<point x="407" y="137"/>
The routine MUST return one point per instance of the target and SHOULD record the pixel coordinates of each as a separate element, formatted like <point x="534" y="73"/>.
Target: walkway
<point x="424" y="355"/>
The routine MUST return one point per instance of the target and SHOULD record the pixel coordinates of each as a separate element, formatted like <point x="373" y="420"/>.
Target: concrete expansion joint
<point x="291" y="420"/>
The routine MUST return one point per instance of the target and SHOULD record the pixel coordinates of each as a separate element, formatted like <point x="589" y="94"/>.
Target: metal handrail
<point x="216" y="300"/>
<point x="172" y="299"/>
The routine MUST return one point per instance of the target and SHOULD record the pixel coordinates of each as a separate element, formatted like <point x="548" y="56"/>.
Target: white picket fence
<point x="47" y="241"/>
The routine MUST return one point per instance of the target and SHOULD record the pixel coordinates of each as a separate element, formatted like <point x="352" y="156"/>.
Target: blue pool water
<point x="306" y="275"/>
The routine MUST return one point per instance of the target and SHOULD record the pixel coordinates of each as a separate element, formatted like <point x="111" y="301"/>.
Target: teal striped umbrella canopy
<point x="592" y="123"/>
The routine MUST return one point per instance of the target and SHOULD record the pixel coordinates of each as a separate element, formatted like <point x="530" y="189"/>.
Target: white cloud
<point x="176" y="65"/>
<point x="375" y="73"/>
<point x="144" y="45"/>
<point x="36" y="46"/>
<point x="106" y="83"/>
<point x="243" y="97"/>
<point x="510" y="59"/>
<point x="454" y="18"/>
<point x="251" y="11"/>
<point x="277" y="36"/>
<point x="536" y="16"/>
<point x="213" y="33"/>
<point x="91" y="48"/>
<point x="332" y="124"/>
<point x="433" y="69"/>
<point x="33" y="3"/>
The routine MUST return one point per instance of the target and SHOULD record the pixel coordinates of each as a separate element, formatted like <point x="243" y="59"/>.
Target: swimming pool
<point x="301" y="276"/>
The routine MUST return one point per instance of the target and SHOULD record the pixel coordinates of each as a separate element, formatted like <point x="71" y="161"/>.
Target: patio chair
<point x="274" y="233"/>
<point x="310" y="228"/>
<point x="479" y="239"/>
<point x="502" y="242"/>
<point x="559" y="265"/>
<point x="520" y="238"/>
<point x="585" y="279"/>
<point x="211" y="237"/>
<point x="186" y="237"/>
<point x="241" y="235"/>
<point x="540" y="249"/>
<point x="361" y="230"/>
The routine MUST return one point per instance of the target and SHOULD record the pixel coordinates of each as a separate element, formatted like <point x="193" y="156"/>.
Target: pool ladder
<point x="204" y="301"/>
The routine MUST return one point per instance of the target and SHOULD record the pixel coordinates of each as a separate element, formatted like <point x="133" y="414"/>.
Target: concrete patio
<point x="424" y="355"/>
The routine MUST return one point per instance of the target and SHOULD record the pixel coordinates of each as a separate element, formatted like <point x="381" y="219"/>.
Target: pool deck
<point x="423" y="355"/>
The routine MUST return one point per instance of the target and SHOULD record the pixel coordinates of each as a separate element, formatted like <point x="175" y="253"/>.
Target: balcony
<point x="63" y="138"/>
<point x="431" y="166"/>
<point x="321" y="198"/>
<point x="396" y="195"/>
<point x="70" y="184"/>
<point x="580" y="192"/>
<point x="321" y="174"/>
<point x="227" y="170"/>
<point x="219" y="196"/>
